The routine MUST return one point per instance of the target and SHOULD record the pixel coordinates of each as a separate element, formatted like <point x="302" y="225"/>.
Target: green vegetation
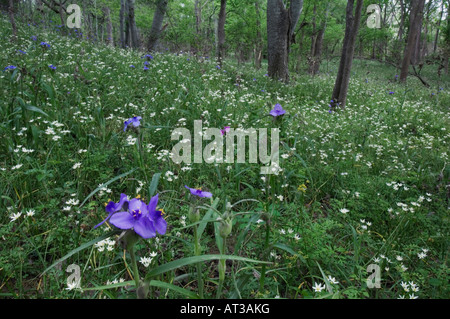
<point x="360" y="186"/>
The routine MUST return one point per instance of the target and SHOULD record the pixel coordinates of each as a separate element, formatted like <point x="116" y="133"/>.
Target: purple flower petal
<point x="110" y="214"/>
<point x="277" y="110"/>
<point x="144" y="228"/>
<point x="122" y="220"/>
<point x="137" y="205"/>
<point x="151" y="207"/>
<point x="158" y="221"/>
<point x="198" y="192"/>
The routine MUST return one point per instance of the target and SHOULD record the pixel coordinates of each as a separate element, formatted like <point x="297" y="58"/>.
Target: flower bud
<point x="225" y="227"/>
<point x="194" y="215"/>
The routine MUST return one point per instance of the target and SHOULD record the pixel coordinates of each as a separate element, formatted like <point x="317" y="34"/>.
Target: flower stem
<point x="135" y="267"/>
<point x="197" y="250"/>
<point x="263" y="270"/>
<point x="222" y="266"/>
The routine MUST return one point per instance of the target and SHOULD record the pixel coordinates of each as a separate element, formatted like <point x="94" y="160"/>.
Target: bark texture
<point x="281" y="23"/>
<point x="353" y="19"/>
<point x="415" y="25"/>
<point x="157" y="24"/>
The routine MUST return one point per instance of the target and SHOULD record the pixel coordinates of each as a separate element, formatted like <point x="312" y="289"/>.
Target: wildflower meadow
<point x="127" y="175"/>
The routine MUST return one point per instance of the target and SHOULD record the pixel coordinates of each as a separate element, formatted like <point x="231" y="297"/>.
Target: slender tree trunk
<point x="12" y="20"/>
<point x="132" y="25"/>
<point x="316" y="51"/>
<point x="221" y="32"/>
<point x="259" y="41"/>
<point x="402" y="21"/>
<point x="340" y="90"/>
<point x="122" y="15"/>
<point x="295" y="10"/>
<point x="280" y="28"/>
<point x="413" y="36"/>
<point x="198" y="18"/>
<point x="313" y="36"/>
<point x="436" y="39"/>
<point x="157" y="24"/>
<point x="109" y="33"/>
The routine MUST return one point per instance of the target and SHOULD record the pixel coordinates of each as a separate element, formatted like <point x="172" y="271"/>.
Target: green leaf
<point x="154" y="184"/>
<point x="106" y="184"/>
<point x="207" y="218"/>
<point x="327" y="283"/>
<point x="112" y="286"/>
<point x="35" y="109"/>
<point x="82" y="247"/>
<point x="289" y="250"/>
<point x="165" y="285"/>
<point x="153" y="283"/>
<point x="196" y="259"/>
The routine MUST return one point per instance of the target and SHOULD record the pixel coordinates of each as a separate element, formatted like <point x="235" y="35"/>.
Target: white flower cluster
<point x="146" y="261"/>
<point x="106" y="243"/>
<point x="407" y="287"/>
<point x="15" y="216"/>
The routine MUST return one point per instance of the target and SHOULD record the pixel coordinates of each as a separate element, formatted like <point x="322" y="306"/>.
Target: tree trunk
<point x="313" y="36"/>
<point x="402" y="21"/>
<point x="122" y="15"/>
<point x="413" y="36"/>
<point x="436" y="39"/>
<point x="259" y="41"/>
<point x="157" y="24"/>
<point x="340" y="90"/>
<point x="280" y="27"/>
<point x="12" y="20"/>
<point x="221" y="32"/>
<point x="198" y="18"/>
<point x="316" y="51"/>
<point x="109" y="33"/>
<point x="134" y="36"/>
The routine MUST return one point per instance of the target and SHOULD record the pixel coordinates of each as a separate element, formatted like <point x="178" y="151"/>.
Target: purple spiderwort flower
<point x="155" y="215"/>
<point x="10" y="67"/>
<point x="145" y="68"/>
<point x="277" y="110"/>
<point x="391" y="92"/>
<point x="134" y="120"/>
<point x="144" y="219"/>
<point x="112" y="207"/>
<point x="44" y="44"/>
<point x="225" y="129"/>
<point x="198" y="192"/>
<point x="51" y="66"/>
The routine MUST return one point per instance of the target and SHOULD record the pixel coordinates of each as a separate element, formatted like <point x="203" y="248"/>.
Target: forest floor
<point x="367" y="185"/>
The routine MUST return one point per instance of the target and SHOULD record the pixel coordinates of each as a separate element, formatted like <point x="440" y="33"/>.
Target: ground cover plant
<point x="88" y="182"/>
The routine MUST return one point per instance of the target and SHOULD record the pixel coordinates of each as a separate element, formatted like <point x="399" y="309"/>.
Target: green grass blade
<point x="82" y="247"/>
<point x="106" y="184"/>
<point x="207" y="218"/>
<point x="153" y="184"/>
<point x="196" y="259"/>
